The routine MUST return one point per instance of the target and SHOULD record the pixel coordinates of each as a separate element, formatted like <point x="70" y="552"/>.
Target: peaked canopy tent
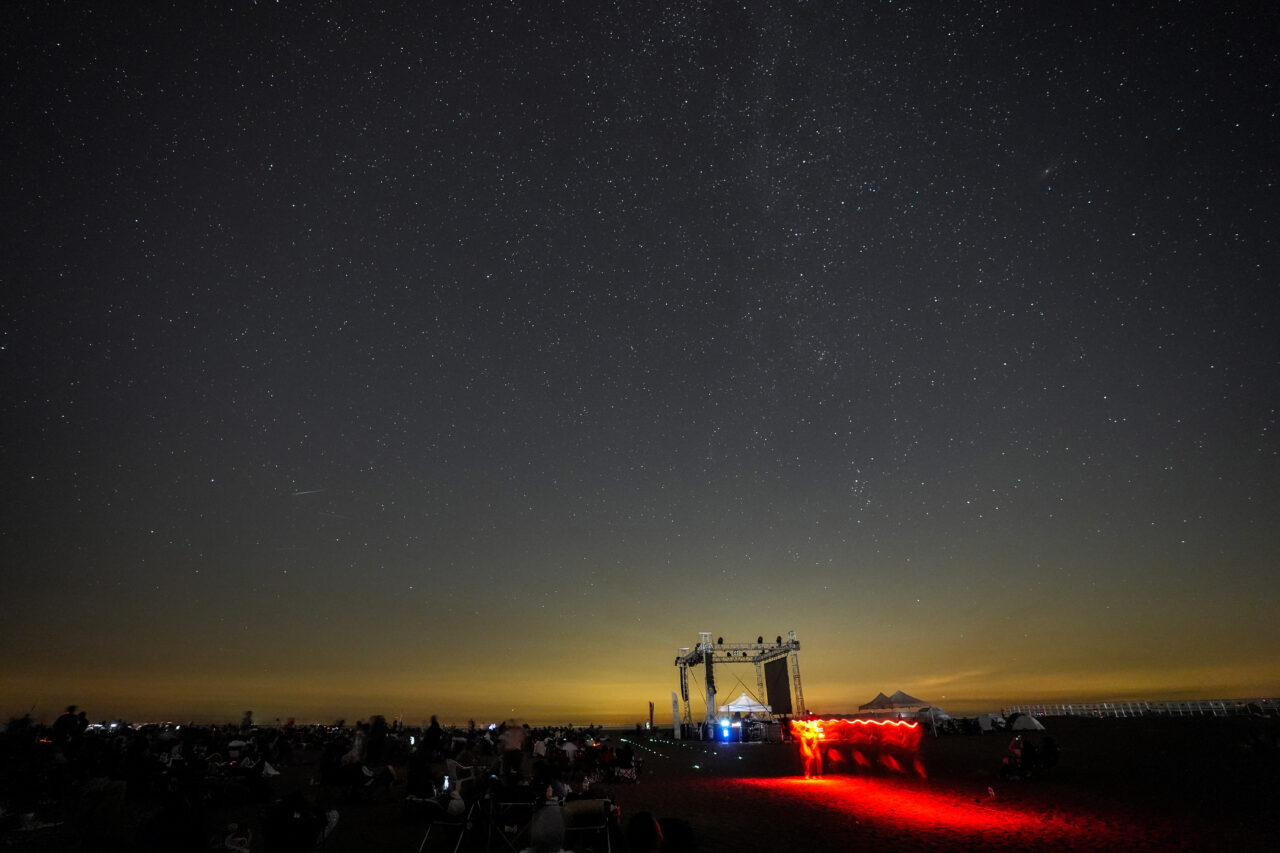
<point x="880" y="703"/>
<point x="899" y="701"/>
<point x="744" y="704"/>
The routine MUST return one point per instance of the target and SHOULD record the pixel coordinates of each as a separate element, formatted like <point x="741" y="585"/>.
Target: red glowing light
<point x="901" y="733"/>
<point x="888" y="743"/>
<point x="894" y="804"/>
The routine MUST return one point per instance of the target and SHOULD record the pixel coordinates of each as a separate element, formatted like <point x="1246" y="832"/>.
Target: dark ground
<point x="1121" y="784"/>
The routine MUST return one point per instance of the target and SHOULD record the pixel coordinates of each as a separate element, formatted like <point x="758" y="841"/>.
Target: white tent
<point x="932" y="716"/>
<point x="1023" y="723"/>
<point x="991" y="722"/>
<point x="744" y="704"/>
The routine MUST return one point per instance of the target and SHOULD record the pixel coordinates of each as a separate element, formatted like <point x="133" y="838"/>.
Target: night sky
<point x="470" y="359"/>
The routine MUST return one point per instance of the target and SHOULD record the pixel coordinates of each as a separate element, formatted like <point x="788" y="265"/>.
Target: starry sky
<point x="470" y="359"/>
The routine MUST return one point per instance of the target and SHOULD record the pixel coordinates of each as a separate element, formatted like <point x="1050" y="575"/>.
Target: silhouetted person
<point x="376" y="749"/>
<point x="65" y="729"/>
<point x="1049" y="752"/>
<point x="512" y="742"/>
<point x="644" y="834"/>
<point x="433" y="739"/>
<point x="359" y="745"/>
<point x="1030" y="759"/>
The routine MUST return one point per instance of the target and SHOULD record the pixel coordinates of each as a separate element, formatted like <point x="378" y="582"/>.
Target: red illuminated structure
<point x="858" y="745"/>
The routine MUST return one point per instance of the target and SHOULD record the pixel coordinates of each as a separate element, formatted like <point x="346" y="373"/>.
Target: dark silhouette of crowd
<point x="113" y="786"/>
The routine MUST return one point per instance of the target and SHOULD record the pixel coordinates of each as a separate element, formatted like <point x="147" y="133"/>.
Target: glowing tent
<point x="744" y="704"/>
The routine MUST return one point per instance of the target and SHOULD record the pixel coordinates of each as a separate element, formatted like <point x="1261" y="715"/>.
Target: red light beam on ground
<point x="901" y="805"/>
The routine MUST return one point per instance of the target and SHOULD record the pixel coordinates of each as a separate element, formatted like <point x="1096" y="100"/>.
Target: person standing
<point x="512" y="742"/>
<point x="433" y="739"/>
<point x="65" y="729"/>
<point x="811" y="749"/>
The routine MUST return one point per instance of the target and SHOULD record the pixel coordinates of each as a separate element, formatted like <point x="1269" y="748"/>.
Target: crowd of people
<point x="163" y="787"/>
<point x="113" y="785"/>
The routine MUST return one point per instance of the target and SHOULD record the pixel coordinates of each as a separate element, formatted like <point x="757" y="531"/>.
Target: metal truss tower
<point x="797" y="690"/>
<point x="718" y="653"/>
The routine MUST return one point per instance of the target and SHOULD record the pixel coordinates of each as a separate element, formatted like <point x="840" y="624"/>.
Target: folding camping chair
<point x="439" y="818"/>
<point x="510" y="821"/>
<point x="589" y="816"/>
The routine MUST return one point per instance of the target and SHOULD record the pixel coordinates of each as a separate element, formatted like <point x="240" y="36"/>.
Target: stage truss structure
<point x="713" y="654"/>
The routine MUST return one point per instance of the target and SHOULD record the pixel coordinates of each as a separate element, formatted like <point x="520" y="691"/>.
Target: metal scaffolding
<point x="758" y="654"/>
